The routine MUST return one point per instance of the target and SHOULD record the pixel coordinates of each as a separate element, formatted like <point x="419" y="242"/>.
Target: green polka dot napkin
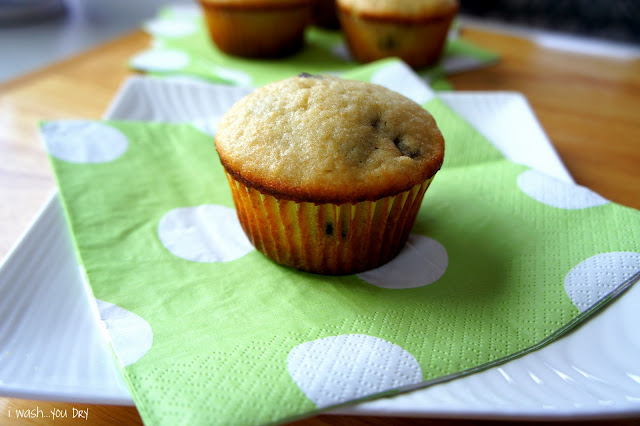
<point x="181" y="46"/>
<point x="501" y="260"/>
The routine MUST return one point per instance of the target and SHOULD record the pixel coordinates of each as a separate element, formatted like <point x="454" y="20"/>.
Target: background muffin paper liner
<point x="181" y="47"/>
<point x="492" y="270"/>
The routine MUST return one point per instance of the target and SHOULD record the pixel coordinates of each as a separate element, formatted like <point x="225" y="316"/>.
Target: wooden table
<point x="589" y="107"/>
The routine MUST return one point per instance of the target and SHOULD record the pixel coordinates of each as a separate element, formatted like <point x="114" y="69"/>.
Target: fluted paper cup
<point x="325" y="238"/>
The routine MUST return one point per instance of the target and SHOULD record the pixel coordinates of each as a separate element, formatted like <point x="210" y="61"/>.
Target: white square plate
<point x="52" y="345"/>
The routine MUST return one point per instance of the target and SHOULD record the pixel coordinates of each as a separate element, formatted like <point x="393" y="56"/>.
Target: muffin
<point x="413" y="30"/>
<point x="327" y="174"/>
<point x="257" y="28"/>
<point x="324" y="14"/>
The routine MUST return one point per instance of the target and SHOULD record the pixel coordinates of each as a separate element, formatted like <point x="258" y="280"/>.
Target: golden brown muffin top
<point x="399" y="8"/>
<point x="327" y="139"/>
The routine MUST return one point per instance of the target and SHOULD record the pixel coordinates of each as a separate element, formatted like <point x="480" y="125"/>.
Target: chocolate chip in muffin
<point x="329" y="229"/>
<point x="405" y="149"/>
<point x="387" y="42"/>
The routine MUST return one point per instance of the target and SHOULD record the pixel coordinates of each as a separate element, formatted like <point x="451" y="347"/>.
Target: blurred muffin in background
<point x="257" y="28"/>
<point x="325" y="15"/>
<point x="413" y="30"/>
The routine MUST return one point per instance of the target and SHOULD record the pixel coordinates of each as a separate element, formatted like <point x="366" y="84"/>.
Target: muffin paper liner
<point x="327" y="238"/>
<point x="418" y="44"/>
<point x="241" y="31"/>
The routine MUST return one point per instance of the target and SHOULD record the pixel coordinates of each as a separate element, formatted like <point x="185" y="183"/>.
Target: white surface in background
<point x="86" y="24"/>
